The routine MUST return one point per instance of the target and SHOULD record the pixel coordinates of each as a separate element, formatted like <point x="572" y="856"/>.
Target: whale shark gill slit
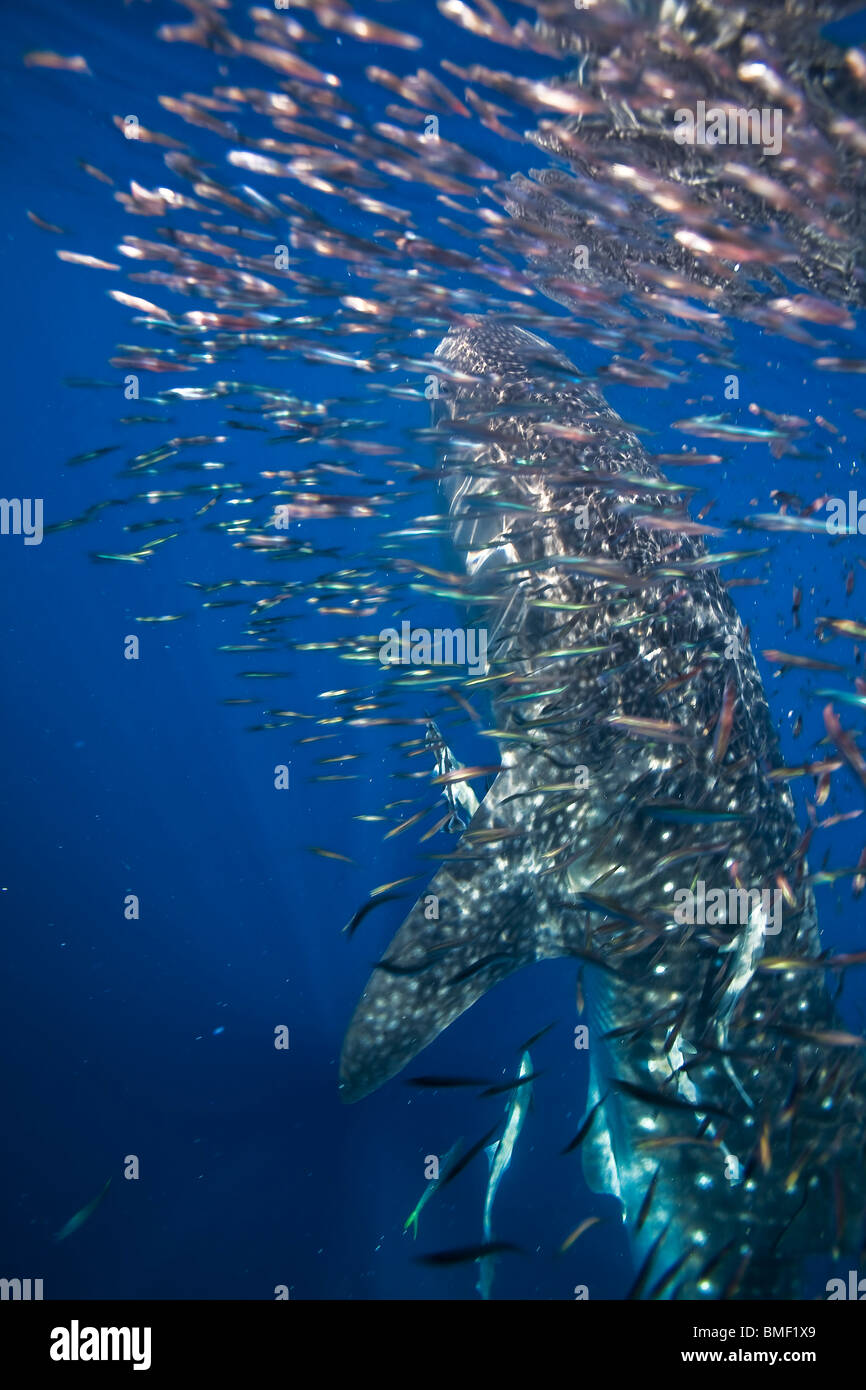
<point x="633" y="666"/>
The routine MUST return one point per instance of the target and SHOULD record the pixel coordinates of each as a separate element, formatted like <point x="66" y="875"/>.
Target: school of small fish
<point x="284" y="221"/>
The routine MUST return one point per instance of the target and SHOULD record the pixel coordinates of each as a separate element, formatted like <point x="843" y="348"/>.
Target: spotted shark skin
<point x="770" y="1168"/>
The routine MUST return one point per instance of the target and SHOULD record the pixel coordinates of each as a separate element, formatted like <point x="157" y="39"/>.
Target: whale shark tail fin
<point x="479" y="920"/>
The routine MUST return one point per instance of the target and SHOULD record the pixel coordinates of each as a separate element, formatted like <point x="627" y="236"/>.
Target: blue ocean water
<point x="154" y="1037"/>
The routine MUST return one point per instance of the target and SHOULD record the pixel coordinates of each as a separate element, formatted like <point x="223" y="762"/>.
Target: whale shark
<point x="639" y="761"/>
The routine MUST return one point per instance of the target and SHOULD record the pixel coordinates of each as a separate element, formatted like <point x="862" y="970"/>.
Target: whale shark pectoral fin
<point x="481" y="918"/>
<point x="434" y="971"/>
<point x="599" y="1163"/>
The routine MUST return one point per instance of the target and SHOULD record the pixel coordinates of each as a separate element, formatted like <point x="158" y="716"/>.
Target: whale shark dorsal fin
<point x="483" y="916"/>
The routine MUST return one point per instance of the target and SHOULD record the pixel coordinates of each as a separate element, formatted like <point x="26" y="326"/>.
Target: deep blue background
<point x="134" y="777"/>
